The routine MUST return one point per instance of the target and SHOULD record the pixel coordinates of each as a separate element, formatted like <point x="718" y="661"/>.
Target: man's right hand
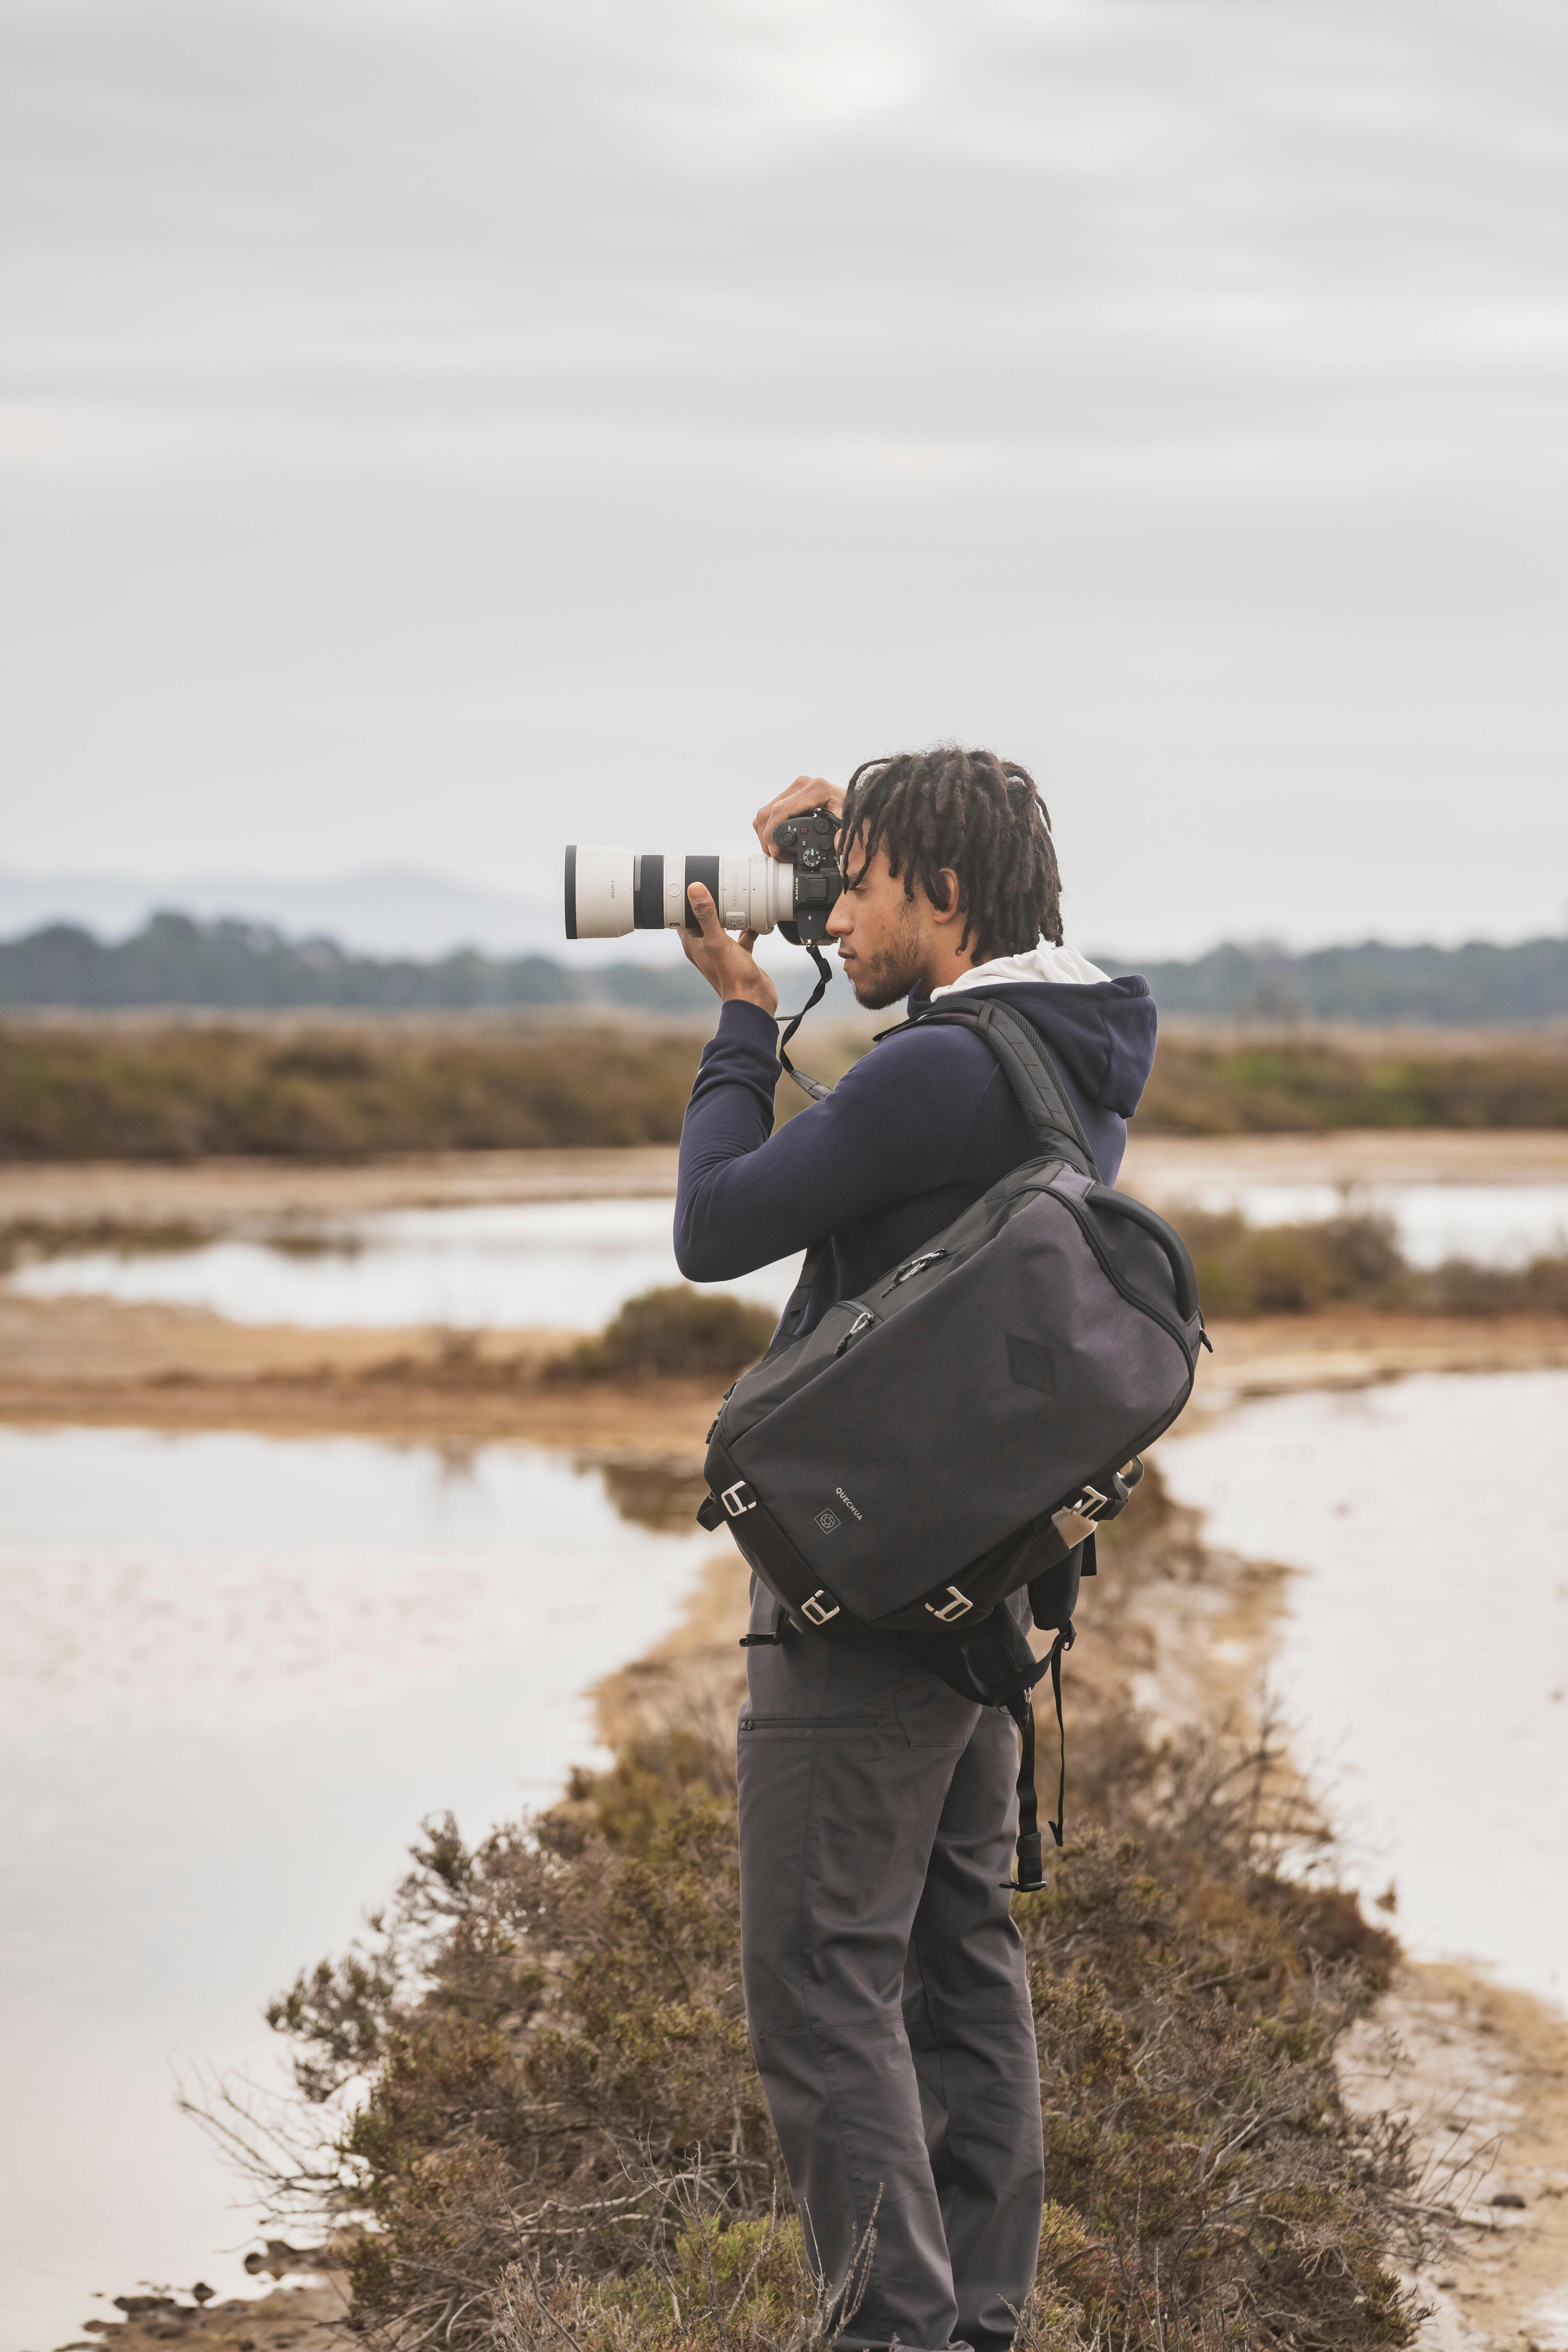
<point x="806" y="792"/>
<point x="727" y="965"/>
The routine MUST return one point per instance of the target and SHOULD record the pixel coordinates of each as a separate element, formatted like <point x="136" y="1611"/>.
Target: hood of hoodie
<point x="1100" y="1031"/>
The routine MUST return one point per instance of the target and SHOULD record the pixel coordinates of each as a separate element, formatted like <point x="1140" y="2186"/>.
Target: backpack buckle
<point x="959" y="1606"/>
<point x="812" y="1610"/>
<point x="738" y="1499"/>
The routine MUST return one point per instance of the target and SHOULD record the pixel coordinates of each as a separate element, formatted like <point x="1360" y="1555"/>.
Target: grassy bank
<point x="188" y="1093"/>
<point x="189" y="1090"/>
<point x="537" y="2119"/>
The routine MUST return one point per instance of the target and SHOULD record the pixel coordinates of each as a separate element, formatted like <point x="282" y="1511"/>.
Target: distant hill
<point x="384" y="912"/>
<point x="177" y="960"/>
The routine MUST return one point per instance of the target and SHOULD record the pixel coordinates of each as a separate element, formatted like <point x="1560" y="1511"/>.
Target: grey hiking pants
<point x="885" y="1983"/>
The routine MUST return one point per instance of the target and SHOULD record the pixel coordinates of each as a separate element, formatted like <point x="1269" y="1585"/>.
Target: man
<point x="885" y="1982"/>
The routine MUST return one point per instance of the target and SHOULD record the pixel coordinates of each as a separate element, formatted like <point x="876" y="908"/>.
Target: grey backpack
<point x="955" y="1433"/>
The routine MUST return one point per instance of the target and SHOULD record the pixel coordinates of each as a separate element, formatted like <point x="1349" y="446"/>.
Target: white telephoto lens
<point x="599" y="903"/>
<point x="752" y="893"/>
<point x="610" y="892"/>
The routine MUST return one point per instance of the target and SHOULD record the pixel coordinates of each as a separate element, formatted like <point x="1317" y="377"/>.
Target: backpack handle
<point x="1183" y="1278"/>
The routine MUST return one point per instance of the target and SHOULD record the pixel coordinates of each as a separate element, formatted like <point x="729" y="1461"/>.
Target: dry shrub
<point x="674" y="1333"/>
<point x="1289" y="1269"/>
<point x="24" y="1241"/>
<point x="1354" y="1259"/>
<point x="1313" y="1083"/>
<point x="542" y="2106"/>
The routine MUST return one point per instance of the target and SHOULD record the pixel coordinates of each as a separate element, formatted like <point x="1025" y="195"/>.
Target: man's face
<point x="881" y="933"/>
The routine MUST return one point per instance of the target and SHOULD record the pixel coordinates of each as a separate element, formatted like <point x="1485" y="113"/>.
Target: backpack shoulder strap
<point x="1029" y="1070"/>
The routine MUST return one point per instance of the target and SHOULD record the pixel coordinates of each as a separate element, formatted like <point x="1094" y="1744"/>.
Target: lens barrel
<point x="610" y="892"/>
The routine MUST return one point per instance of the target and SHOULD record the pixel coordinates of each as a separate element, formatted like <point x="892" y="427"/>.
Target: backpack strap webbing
<point x="1037" y="1085"/>
<point x="796" y="1303"/>
<point x="1031" y="1876"/>
<point x="1029" y="1070"/>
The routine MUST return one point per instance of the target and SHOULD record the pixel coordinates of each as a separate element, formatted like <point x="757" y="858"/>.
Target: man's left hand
<point x="727" y="965"/>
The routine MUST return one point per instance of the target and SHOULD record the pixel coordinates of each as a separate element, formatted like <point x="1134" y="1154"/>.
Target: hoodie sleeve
<point x="893" y="1127"/>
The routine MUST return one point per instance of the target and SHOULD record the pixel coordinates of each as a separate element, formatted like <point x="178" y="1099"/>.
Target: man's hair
<point x="975" y="814"/>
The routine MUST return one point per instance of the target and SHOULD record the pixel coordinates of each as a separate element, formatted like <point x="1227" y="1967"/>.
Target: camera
<point x="610" y="892"/>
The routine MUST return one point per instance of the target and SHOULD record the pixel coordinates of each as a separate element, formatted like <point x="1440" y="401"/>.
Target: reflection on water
<point x="651" y="1494"/>
<point x="1495" y="1224"/>
<point x="560" y="1263"/>
<point x="237" y="1673"/>
<point x="1425" y="1654"/>
<point x="570" y="1264"/>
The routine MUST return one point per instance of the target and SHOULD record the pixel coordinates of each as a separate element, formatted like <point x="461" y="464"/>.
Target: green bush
<point x="674" y="1333"/>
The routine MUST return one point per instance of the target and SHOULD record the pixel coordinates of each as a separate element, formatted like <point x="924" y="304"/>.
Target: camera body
<point x="610" y="892"/>
<point x="809" y="843"/>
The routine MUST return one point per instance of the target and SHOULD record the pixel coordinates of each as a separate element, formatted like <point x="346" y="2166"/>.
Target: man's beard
<point x="896" y="970"/>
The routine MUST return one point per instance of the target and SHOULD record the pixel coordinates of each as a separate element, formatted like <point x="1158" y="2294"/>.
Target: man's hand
<point x="726" y="964"/>
<point x="806" y="792"/>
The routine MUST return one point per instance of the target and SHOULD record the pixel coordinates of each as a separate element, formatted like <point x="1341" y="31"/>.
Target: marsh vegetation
<point x="527" y="2103"/>
<point x="183" y="1091"/>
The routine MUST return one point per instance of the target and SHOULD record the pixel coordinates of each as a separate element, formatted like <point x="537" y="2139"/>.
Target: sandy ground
<point x="97" y="1362"/>
<point x="228" y="1193"/>
<point x="1482" y="2072"/>
<point x="1175" y="1167"/>
<point x="303" y="2311"/>
<point x="225" y="1194"/>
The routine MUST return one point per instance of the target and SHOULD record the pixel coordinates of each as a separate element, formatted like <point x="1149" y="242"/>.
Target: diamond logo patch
<point x="828" y="1521"/>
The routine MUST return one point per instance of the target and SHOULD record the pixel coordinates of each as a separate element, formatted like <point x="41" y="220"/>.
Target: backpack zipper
<point x="861" y="1321"/>
<point x="915" y="1265"/>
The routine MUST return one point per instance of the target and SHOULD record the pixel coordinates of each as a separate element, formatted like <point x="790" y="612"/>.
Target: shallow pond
<point x="237" y="1673"/>
<point x="569" y="1264"/>
<point x="565" y="1264"/>
<point x="1424" y="1661"/>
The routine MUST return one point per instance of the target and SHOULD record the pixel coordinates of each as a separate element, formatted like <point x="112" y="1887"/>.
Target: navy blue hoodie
<point x="919" y="1129"/>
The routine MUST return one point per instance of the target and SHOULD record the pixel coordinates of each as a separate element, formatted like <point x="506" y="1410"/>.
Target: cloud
<point x="1091" y="372"/>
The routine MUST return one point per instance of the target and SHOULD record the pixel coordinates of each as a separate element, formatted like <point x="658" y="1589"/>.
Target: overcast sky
<point x="434" y="430"/>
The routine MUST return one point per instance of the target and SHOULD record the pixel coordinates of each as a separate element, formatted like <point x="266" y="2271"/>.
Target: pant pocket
<point x="752" y="1721"/>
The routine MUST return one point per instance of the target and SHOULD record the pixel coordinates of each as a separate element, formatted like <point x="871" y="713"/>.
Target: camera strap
<point x="812" y="1086"/>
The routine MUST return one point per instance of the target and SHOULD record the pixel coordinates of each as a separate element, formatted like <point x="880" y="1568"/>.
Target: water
<point x="565" y="1264"/>
<point x="1495" y="1224"/>
<point x="569" y="1264"/>
<point x="1424" y="1657"/>
<point x="237" y="1673"/>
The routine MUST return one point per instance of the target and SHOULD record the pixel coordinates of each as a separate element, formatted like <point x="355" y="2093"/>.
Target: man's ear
<point x="953" y="896"/>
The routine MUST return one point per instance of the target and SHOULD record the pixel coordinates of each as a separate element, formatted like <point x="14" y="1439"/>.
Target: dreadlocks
<point x="975" y="814"/>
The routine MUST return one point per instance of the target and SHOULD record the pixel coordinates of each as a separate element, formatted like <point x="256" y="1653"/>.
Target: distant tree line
<point x="230" y="964"/>
<point x="177" y="961"/>
<point x="1478" y="983"/>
